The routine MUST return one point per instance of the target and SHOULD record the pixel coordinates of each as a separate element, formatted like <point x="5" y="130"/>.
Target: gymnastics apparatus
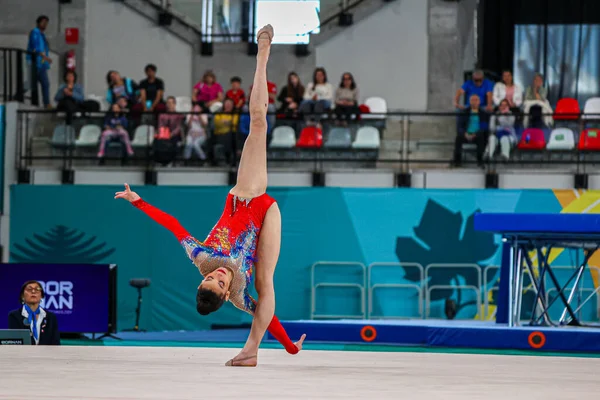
<point x="232" y="253"/>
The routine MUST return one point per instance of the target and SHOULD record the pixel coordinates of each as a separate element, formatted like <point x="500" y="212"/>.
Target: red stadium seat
<point x="311" y="137"/>
<point x="567" y="109"/>
<point x="590" y="140"/>
<point x="532" y="139"/>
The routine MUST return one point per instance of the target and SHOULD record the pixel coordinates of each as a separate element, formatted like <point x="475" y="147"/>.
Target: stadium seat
<point x="376" y="105"/>
<point x="339" y="138"/>
<point x="63" y="136"/>
<point x="532" y="139"/>
<point x="310" y="137"/>
<point x="590" y="140"/>
<point x="567" y="109"/>
<point x="367" y="138"/>
<point x="561" y="139"/>
<point x="284" y="137"/>
<point x="183" y="104"/>
<point x="101" y="100"/>
<point x="143" y="136"/>
<point x="89" y="136"/>
<point x="592" y="109"/>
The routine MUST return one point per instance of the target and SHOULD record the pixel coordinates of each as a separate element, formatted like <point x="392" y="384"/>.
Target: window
<point x="293" y="20"/>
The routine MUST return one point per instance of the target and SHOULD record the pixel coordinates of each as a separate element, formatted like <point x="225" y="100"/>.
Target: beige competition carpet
<point x="128" y="373"/>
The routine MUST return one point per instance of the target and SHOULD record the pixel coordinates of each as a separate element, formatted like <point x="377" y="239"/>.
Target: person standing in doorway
<point x="38" y="45"/>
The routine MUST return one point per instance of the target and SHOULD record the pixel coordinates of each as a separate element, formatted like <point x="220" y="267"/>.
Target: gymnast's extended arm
<point x="164" y="219"/>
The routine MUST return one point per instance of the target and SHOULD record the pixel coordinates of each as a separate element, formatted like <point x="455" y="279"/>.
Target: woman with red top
<point x="232" y="254"/>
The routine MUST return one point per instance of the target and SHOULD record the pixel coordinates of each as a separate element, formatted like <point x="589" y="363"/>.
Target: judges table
<point x="523" y="234"/>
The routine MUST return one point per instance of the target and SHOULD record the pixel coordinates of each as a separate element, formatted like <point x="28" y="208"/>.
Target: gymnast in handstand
<point x="246" y="239"/>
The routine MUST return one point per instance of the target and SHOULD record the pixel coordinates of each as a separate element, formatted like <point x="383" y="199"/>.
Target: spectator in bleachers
<point x="225" y="129"/>
<point x="318" y="96"/>
<point x="478" y="85"/>
<point x="502" y="129"/>
<point x="291" y="95"/>
<point x="42" y="323"/>
<point x="508" y="90"/>
<point x="119" y="87"/>
<point x="196" y="133"/>
<point x="236" y="93"/>
<point x="115" y="128"/>
<point x="208" y="93"/>
<point x="69" y="97"/>
<point x="152" y="90"/>
<point x="169" y="123"/>
<point x="38" y="44"/>
<point x="473" y="127"/>
<point x="537" y="91"/>
<point x="226" y="121"/>
<point x="346" y="98"/>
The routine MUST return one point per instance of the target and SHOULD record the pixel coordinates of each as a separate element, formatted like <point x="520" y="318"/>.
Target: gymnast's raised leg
<point x="251" y="183"/>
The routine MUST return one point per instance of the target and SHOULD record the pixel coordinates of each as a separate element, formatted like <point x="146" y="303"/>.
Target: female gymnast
<point x="232" y="249"/>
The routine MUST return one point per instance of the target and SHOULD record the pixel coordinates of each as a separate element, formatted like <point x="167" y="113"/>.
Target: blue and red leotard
<point x="232" y="244"/>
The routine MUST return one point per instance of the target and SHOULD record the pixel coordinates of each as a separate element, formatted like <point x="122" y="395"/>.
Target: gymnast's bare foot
<point x="299" y="342"/>
<point x="243" y="360"/>
<point x="267" y="31"/>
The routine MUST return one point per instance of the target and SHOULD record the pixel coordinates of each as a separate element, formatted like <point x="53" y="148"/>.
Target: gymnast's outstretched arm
<point x="164" y="219"/>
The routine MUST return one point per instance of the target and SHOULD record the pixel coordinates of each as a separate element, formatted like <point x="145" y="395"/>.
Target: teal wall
<point x="85" y="224"/>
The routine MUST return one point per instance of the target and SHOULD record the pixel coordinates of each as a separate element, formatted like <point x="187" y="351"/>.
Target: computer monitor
<point x="15" y="337"/>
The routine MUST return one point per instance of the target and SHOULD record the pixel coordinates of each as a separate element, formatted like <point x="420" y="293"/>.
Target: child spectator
<point x="291" y="95"/>
<point x="502" y="129"/>
<point x="115" y="125"/>
<point x="226" y="121"/>
<point x="208" y="93"/>
<point x="169" y="123"/>
<point x="225" y="128"/>
<point x="196" y="134"/>
<point x="236" y="93"/>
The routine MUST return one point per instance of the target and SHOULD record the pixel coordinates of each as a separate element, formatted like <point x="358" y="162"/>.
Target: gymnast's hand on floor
<point x="127" y="194"/>
<point x="299" y="342"/>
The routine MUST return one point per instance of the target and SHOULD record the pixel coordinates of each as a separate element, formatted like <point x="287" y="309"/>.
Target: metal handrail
<point x="476" y="267"/>
<point x="14" y="75"/>
<point x="403" y="265"/>
<point x="417" y="288"/>
<point x="314" y="287"/>
<point x="435" y="287"/>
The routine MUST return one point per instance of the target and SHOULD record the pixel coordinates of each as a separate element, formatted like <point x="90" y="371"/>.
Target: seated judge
<point x="41" y="323"/>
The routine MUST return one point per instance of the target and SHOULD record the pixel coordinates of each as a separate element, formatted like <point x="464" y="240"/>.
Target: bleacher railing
<point x="17" y="82"/>
<point x="410" y="140"/>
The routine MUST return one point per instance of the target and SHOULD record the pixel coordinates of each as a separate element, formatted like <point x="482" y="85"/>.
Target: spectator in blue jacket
<point x="69" y="96"/>
<point x="38" y="44"/>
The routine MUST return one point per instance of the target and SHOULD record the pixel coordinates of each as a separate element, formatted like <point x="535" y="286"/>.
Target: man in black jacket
<point x="41" y="323"/>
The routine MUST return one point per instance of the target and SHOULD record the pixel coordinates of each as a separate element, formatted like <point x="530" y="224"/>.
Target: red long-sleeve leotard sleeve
<point x="163" y="219"/>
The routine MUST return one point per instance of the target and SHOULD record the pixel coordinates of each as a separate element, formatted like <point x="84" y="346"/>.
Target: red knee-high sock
<point x="276" y="329"/>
